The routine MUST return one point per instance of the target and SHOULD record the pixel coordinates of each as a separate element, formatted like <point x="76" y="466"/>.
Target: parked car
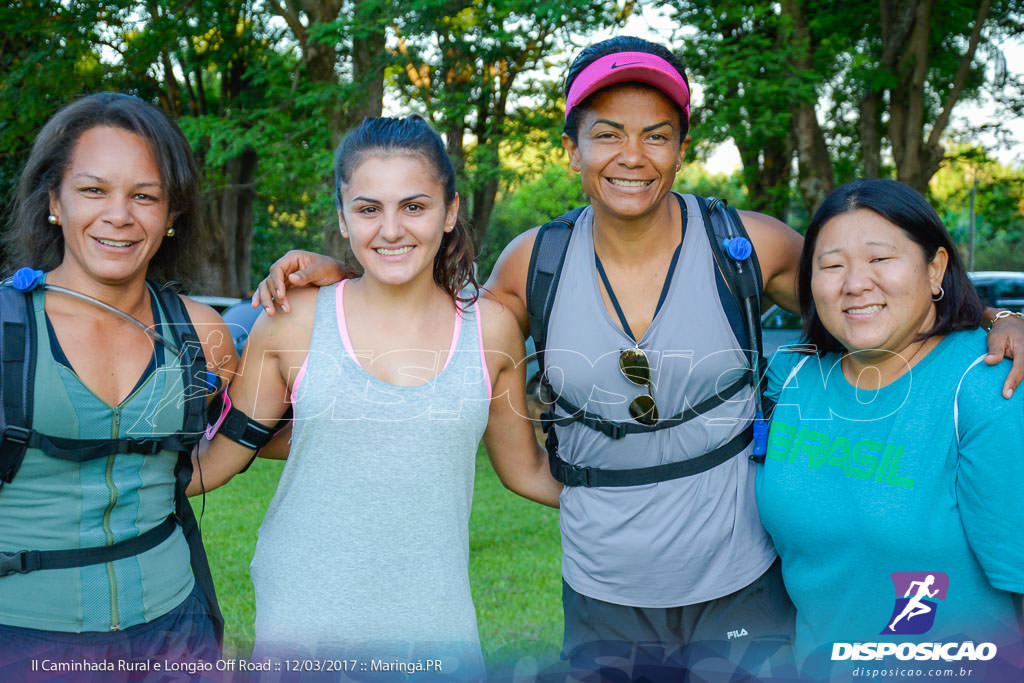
<point x="779" y="327"/>
<point x="1000" y="289"/>
<point x="237" y="313"/>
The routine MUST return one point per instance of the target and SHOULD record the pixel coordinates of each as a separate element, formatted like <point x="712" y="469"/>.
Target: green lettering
<point x="811" y="444"/>
<point x="780" y="440"/>
<point x="883" y="466"/>
<point x="839" y="453"/>
<point x="862" y="456"/>
<point x="894" y="477"/>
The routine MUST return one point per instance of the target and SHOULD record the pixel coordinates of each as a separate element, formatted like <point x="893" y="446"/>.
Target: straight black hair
<point x="412" y="135"/>
<point x="960" y="308"/>
<point x="32" y="241"/>
<point x="592" y="53"/>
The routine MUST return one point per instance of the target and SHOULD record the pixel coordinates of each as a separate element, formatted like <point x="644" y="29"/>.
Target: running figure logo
<point x="914" y="613"/>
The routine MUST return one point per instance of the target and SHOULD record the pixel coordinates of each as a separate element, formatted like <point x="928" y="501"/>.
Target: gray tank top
<point x="365" y="546"/>
<point x="676" y="542"/>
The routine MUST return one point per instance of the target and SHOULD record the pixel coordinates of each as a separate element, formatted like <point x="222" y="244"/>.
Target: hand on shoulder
<point x="288" y="328"/>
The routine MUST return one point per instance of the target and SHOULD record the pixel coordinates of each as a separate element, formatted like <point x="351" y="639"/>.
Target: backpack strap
<point x="17" y="378"/>
<point x="617" y="430"/>
<point x="193" y="365"/>
<point x="746" y="286"/>
<point x="722" y="222"/>
<point x="26" y="561"/>
<point x="546" y="261"/>
<point x="18" y="354"/>
<point x="740" y="287"/>
<point x="574" y="475"/>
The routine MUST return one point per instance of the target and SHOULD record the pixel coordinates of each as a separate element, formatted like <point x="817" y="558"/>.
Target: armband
<point x="240" y="428"/>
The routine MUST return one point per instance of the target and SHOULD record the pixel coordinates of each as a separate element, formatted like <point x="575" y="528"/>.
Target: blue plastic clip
<point x="760" y="437"/>
<point x="738" y="248"/>
<point x="212" y="381"/>
<point x="26" y="279"/>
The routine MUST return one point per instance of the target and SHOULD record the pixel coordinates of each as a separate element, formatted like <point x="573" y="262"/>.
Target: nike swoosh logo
<point x="619" y="66"/>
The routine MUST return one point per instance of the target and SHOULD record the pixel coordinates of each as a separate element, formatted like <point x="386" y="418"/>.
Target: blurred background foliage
<point x="810" y="92"/>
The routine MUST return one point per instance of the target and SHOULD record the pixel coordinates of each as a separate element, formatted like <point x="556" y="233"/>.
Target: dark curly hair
<point x="592" y="53"/>
<point x="32" y="241"/>
<point x="453" y="264"/>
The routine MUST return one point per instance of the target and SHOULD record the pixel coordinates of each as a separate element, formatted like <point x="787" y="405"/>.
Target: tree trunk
<point x="229" y="218"/>
<point x="896" y="22"/>
<point x="368" y="48"/>
<point x="907" y="102"/>
<point x="816" y="177"/>
<point x="871" y="132"/>
<point x="815" y="166"/>
<point x="766" y="173"/>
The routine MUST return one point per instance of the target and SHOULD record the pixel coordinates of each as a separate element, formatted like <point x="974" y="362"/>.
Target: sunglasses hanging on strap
<point x="739" y="281"/>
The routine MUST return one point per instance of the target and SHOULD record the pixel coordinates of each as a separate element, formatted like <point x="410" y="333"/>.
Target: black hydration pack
<point x="738" y="278"/>
<point x="17" y="382"/>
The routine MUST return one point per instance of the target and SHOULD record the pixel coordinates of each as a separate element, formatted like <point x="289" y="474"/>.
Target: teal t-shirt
<point x="868" y="493"/>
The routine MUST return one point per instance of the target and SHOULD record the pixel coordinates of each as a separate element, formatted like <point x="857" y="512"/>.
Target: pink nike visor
<point x="621" y="67"/>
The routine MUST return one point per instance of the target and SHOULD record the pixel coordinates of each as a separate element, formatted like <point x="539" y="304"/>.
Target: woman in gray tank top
<point x="393" y="376"/>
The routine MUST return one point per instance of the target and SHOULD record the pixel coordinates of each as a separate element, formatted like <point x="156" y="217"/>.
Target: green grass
<point x="513" y="566"/>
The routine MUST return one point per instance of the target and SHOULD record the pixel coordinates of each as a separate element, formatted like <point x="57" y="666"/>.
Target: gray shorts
<point x="746" y="635"/>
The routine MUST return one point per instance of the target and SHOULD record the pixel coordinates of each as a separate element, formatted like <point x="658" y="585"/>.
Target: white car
<point x="779" y="327"/>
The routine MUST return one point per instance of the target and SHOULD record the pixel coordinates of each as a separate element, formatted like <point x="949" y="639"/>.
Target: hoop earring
<point x="52" y="220"/>
<point x="942" y="293"/>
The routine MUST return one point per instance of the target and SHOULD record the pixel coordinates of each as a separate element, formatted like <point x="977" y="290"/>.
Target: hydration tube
<point x="26" y="279"/>
<point x="739" y="249"/>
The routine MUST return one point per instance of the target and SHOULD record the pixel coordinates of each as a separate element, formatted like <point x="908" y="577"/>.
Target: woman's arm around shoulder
<point x="297" y="268"/>
<point x="274" y="352"/>
<point x="519" y="461"/>
<point x="990" y="473"/>
<point x="778" y="249"/>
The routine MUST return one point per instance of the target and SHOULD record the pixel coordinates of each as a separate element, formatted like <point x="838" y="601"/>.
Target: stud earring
<point x="52" y="220"/>
<point x="170" y="232"/>
<point x="576" y="167"/>
<point x="678" y="166"/>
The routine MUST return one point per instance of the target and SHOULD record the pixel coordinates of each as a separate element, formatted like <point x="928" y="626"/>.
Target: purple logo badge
<point x="916" y="593"/>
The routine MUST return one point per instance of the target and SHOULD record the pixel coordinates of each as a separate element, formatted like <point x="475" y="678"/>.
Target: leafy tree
<point x="997" y="192"/>
<point x="48" y="56"/>
<point x="738" y="57"/>
<point x="884" y="73"/>
<point x="520" y="206"/>
<point x="468" y="61"/>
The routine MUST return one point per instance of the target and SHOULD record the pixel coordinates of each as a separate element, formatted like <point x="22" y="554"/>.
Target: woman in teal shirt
<point x="893" y="478"/>
<point x="108" y="197"/>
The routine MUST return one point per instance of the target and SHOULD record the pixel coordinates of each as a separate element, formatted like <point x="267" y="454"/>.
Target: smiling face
<point x="394" y="212"/>
<point x="111" y="206"/>
<point x="872" y="285"/>
<point x="629" y="148"/>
